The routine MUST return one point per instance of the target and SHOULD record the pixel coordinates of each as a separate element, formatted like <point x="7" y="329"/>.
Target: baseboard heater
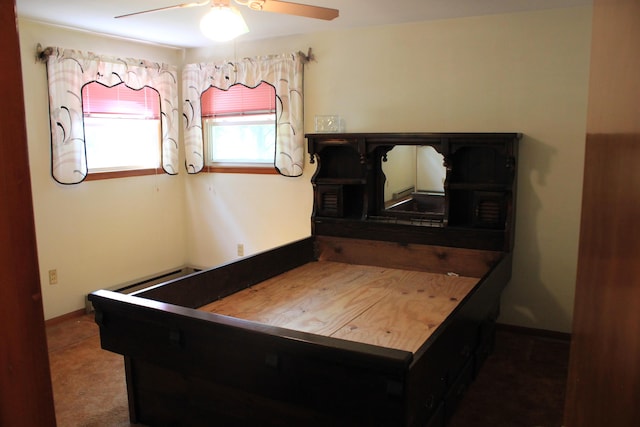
<point x="403" y="193"/>
<point x="145" y="282"/>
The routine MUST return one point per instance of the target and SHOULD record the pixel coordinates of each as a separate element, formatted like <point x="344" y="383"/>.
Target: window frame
<point x="96" y="176"/>
<point x="260" y="168"/>
<point x="126" y="172"/>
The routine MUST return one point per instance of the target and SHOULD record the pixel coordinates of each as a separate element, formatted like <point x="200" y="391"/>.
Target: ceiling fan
<point x="275" y="6"/>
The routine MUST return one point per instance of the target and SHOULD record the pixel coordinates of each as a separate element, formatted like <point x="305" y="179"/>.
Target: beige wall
<point x="258" y="211"/>
<point x="522" y="72"/>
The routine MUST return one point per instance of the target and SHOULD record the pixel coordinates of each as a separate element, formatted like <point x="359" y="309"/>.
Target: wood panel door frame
<point x="26" y="396"/>
<point x="604" y="369"/>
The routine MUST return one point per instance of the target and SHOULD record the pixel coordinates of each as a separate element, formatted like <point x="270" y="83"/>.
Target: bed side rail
<point x="203" y="287"/>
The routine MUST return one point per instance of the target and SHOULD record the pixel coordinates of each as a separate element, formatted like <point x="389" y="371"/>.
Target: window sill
<point x="95" y="176"/>
<point x="256" y="170"/>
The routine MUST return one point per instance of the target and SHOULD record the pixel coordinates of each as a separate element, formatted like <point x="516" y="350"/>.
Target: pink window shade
<point x="121" y="100"/>
<point x="238" y="99"/>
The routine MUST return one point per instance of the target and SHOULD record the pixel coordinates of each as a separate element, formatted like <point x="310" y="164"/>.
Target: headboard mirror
<point x="414" y="182"/>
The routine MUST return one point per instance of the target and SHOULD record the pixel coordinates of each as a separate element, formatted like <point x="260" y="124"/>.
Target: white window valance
<point x="68" y="71"/>
<point x="284" y="72"/>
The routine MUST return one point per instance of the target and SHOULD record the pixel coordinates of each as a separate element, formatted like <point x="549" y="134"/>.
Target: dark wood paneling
<point x="604" y="370"/>
<point x="26" y="397"/>
<point x="604" y="375"/>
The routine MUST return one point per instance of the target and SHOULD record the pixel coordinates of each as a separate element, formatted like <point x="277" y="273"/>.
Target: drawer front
<point x="463" y="341"/>
<point x="458" y="388"/>
<point x="485" y="344"/>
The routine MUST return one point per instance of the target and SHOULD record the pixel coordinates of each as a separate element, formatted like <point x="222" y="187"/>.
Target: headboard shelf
<point x="467" y="187"/>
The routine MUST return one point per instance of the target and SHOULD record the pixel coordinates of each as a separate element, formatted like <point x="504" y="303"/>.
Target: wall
<point x="99" y="233"/>
<point x="524" y="72"/>
<point x="257" y="211"/>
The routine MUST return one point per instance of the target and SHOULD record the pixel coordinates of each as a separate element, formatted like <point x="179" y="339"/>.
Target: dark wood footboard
<point x="189" y="367"/>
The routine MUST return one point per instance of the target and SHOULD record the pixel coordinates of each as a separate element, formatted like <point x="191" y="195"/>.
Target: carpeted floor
<point x="89" y="388"/>
<point x="521" y="384"/>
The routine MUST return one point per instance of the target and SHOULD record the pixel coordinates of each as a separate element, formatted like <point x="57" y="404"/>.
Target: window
<point x="239" y="127"/>
<point x="122" y="130"/>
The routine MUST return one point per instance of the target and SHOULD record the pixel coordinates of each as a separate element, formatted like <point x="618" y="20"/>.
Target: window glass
<point x="241" y="139"/>
<point x="239" y="126"/>
<point x="122" y="128"/>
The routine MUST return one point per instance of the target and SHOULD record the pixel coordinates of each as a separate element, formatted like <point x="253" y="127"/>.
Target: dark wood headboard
<point x="479" y="189"/>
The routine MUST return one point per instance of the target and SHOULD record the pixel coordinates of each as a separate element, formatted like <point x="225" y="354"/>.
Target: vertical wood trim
<point x="26" y="397"/>
<point x="604" y="368"/>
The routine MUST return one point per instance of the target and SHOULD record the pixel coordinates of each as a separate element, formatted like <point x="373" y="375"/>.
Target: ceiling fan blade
<point x="177" y="6"/>
<point x="298" y="9"/>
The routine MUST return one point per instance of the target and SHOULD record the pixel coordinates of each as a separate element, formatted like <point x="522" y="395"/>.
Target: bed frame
<point x="187" y="366"/>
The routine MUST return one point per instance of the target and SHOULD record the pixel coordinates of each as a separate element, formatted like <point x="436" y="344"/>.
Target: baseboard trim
<point x="73" y="315"/>
<point x="541" y="333"/>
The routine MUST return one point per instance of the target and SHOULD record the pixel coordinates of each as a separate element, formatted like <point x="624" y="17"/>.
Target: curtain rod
<point x="42" y="54"/>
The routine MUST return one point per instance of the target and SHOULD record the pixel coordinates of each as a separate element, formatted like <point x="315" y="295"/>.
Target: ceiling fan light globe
<point x="223" y="23"/>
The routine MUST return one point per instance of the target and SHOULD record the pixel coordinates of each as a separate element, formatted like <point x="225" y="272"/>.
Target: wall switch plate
<point x="240" y="249"/>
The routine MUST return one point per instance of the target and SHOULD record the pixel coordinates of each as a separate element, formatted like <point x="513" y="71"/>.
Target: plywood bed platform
<point x="373" y="305"/>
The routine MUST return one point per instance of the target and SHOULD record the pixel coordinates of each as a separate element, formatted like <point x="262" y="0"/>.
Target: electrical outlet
<point x="53" y="277"/>
<point x="240" y="249"/>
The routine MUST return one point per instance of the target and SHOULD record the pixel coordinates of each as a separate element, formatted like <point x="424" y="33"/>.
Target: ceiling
<point x="179" y="27"/>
